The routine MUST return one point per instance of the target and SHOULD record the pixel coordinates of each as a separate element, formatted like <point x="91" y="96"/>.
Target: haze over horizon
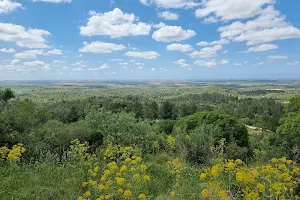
<point x="149" y="40"/>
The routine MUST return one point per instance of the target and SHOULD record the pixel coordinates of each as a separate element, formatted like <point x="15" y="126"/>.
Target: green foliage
<point x="293" y="105"/>
<point x="167" y="126"/>
<point x="55" y="136"/>
<point x="6" y="94"/>
<point x="121" y="128"/>
<point x="203" y="130"/>
<point x="289" y="130"/>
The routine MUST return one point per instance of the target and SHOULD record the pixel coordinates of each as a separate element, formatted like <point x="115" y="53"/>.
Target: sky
<point x="149" y="39"/>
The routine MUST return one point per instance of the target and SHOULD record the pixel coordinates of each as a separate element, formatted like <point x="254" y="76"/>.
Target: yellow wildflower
<point x="127" y="193"/>
<point x="121" y="181"/>
<point x="147" y="178"/>
<point x="142" y="196"/>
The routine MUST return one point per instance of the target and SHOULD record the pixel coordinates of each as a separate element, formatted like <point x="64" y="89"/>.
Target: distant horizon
<point x="150" y="40"/>
<point x="138" y="80"/>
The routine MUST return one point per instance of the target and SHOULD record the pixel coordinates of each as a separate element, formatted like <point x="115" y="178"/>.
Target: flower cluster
<point x="125" y="178"/>
<point x="13" y="154"/>
<point x="276" y="180"/>
<point x="117" y="152"/>
<point x="171" y="142"/>
<point x="79" y="152"/>
<point x="175" y="167"/>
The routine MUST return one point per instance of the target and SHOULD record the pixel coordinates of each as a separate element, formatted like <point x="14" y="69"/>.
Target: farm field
<point x="149" y="140"/>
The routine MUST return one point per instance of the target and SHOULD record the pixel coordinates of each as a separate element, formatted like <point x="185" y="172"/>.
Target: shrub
<point x="232" y="179"/>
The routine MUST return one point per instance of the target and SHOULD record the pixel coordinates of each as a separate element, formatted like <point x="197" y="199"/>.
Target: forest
<point x="92" y="141"/>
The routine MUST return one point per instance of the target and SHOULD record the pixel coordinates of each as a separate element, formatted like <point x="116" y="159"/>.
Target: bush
<point x="202" y="131"/>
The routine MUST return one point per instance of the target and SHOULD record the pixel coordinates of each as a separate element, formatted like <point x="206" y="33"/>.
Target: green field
<point x="150" y="140"/>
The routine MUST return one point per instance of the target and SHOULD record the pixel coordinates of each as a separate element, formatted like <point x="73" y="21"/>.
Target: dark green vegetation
<point x="201" y="118"/>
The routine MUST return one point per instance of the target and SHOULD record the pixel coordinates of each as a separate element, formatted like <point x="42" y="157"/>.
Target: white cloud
<point x="238" y="64"/>
<point x="104" y="66"/>
<point x="207" y="52"/>
<point x="182" y="63"/>
<point x="80" y="63"/>
<point x="8" y="6"/>
<point x="142" y="54"/>
<point x="17" y="66"/>
<point x="114" y="24"/>
<point x="267" y="27"/>
<point x="59" y="61"/>
<point x="101" y="47"/>
<point x="167" y="15"/>
<point x="116" y="59"/>
<point x="210" y="20"/>
<point x="224" y="61"/>
<point x="4" y="50"/>
<point x="77" y="69"/>
<point x="260" y="63"/>
<point x="277" y="57"/>
<point x="35" y="65"/>
<point x="54" y="52"/>
<point x="123" y="63"/>
<point x="204" y="63"/>
<point x="161" y="24"/>
<point x="54" y="1"/>
<point x="30" y="38"/>
<point x="153" y="69"/>
<point x="179" y="47"/>
<point x="262" y="47"/>
<point x="172" y="34"/>
<point x="29" y="54"/>
<point x="171" y="3"/>
<point x="217" y="42"/>
<point x="227" y="10"/>
<point x="294" y="63"/>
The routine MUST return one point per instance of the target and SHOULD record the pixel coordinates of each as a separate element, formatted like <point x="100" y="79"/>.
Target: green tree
<point x="7" y="94"/>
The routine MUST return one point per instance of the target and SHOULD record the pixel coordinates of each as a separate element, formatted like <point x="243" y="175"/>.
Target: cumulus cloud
<point x="80" y="63"/>
<point x="54" y="52"/>
<point x="54" y="1"/>
<point x="206" y="52"/>
<point x="262" y="47"/>
<point x="277" y="57"/>
<point x="142" y="54"/>
<point x="59" y="61"/>
<point x="104" y="66"/>
<point x="210" y="20"/>
<point x="238" y="64"/>
<point x="78" y="69"/>
<point x="182" y="63"/>
<point x="17" y="66"/>
<point x="172" y="34"/>
<point x="204" y="63"/>
<point x="29" y="38"/>
<point x="217" y="42"/>
<point x="35" y="65"/>
<point x="269" y="26"/>
<point x="29" y="54"/>
<point x="296" y="62"/>
<point x="114" y="24"/>
<point x="4" y="50"/>
<point x="171" y="3"/>
<point x="167" y="15"/>
<point x="123" y="63"/>
<point x="8" y="6"/>
<point x="224" y="61"/>
<point x="226" y="10"/>
<point x="161" y="24"/>
<point x="101" y="47"/>
<point x="179" y="47"/>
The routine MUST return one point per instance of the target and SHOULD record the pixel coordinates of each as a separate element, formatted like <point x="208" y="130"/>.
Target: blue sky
<point x="149" y="39"/>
